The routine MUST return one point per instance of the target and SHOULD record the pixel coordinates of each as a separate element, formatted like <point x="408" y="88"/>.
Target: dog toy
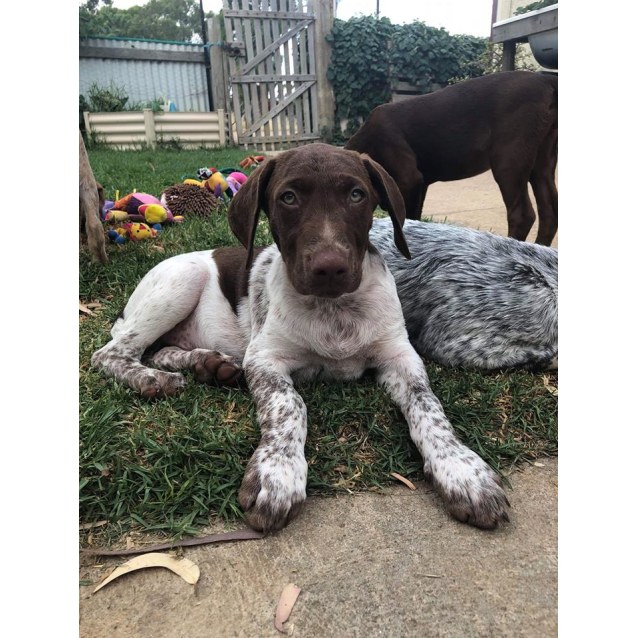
<point x="190" y="199"/>
<point x="135" y="231"/>
<point x="140" y="207"/>
<point x="217" y="185"/>
<point x="224" y="182"/>
<point x="252" y="161"/>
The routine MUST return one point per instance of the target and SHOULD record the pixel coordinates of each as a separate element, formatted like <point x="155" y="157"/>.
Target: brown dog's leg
<point x="520" y="213"/>
<point x="544" y="187"/>
<point x="512" y="181"/>
<point x="401" y="163"/>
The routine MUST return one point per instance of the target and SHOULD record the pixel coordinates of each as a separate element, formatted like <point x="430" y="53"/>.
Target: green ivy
<point x="424" y="56"/>
<point x="534" y="6"/>
<point x="360" y="68"/>
<point x="370" y="56"/>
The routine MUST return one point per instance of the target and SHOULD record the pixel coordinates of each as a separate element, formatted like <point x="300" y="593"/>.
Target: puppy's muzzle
<point x="330" y="273"/>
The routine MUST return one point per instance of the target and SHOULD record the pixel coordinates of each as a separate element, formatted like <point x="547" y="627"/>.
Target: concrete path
<point x="475" y="202"/>
<point x="386" y="565"/>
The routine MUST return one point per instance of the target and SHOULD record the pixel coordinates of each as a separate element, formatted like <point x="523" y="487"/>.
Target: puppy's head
<point x="319" y="202"/>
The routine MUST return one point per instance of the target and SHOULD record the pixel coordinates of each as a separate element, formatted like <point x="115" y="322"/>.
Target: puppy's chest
<point x="337" y="336"/>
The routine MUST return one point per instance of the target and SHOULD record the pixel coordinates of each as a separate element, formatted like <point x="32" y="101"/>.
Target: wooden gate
<point x="269" y="54"/>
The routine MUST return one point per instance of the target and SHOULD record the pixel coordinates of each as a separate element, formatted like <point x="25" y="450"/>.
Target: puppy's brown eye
<point x="288" y="197"/>
<point x="357" y="195"/>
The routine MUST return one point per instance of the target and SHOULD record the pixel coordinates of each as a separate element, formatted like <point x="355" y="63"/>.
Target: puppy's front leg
<point x="472" y="491"/>
<point x="274" y="485"/>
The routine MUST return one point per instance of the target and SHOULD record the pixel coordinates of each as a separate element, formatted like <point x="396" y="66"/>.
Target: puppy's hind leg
<point x="167" y="295"/>
<point x="209" y="366"/>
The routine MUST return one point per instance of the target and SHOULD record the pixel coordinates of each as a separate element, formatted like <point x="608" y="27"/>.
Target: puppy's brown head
<point x="319" y="202"/>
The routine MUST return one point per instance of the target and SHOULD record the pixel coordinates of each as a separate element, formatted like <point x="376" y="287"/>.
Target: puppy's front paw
<point x="472" y="491"/>
<point x="273" y="489"/>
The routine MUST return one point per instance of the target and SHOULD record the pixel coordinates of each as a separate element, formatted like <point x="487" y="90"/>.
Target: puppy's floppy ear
<point x="390" y="199"/>
<point x="248" y="201"/>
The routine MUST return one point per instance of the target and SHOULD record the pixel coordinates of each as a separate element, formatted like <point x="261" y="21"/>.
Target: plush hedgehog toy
<point x="190" y="199"/>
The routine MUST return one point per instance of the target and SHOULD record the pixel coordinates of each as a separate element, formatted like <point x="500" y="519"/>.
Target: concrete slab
<point x="386" y="565"/>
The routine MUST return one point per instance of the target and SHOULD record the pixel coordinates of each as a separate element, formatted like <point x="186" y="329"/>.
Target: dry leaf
<point x="286" y="602"/>
<point x="85" y="309"/>
<point x="185" y="568"/>
<point x="537" y="464"/>
<point x="552" y="389"/>
<point x="403" y="480"/>
<point x="94" y="305"/>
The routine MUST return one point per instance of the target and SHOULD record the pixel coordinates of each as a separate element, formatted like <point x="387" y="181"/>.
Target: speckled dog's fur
<point x="474" y="299"/>
<point x="320" y="302"/>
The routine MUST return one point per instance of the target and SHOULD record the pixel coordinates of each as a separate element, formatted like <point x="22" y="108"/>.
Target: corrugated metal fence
<point x="145" y="71"/>
<point x="132" y="129"/>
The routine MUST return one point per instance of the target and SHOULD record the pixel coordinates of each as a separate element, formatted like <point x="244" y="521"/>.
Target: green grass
<point x="173" y="466"/>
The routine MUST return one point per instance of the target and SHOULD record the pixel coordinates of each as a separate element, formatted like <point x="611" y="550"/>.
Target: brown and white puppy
<point x="320" y="302"/>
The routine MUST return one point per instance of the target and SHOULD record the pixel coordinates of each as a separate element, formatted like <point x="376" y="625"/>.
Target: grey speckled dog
<point x="475" y="299"/>
<point x="320" y="302"/>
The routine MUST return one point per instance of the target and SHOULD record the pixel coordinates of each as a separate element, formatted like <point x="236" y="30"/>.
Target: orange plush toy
<point x="252" y="161"/>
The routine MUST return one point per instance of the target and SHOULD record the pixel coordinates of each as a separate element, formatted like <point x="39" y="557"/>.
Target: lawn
<point x="173" y="466"/>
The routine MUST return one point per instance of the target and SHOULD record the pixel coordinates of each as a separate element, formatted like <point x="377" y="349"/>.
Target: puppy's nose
<point x="329" y="267"/>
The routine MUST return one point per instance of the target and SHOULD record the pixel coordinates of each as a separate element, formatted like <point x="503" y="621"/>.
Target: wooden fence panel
<point x="270" y="56"/>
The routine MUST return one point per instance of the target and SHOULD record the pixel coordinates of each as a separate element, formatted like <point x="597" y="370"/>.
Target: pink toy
<point x="141" y="207"/>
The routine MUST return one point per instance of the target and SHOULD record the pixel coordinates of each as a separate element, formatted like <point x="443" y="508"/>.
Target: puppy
<point x="319" y="302"/>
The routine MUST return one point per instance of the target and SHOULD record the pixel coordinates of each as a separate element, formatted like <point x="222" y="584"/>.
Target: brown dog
<point x="91" y="202"/>
<point x="506" y="122"/>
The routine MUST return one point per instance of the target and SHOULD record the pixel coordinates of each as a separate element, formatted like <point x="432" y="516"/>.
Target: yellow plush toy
<point x="135" y="231"/>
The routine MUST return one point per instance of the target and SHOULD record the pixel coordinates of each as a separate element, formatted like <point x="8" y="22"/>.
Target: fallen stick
<point x="237" y="535"/>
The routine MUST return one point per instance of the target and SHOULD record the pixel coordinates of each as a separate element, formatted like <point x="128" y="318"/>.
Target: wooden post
<point x="222" y="127"/>
<point x="217" y="61"/>
<point x="509" y="54"/>
<point x="324" y="19"/>
<point x="87" y="123"/>
<point x="149" y="128"/>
